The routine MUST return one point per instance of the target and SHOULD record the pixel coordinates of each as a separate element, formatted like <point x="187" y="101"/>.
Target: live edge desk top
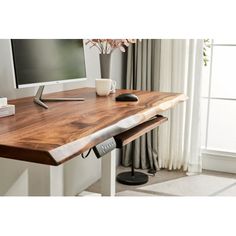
<point x="65" y="130"/>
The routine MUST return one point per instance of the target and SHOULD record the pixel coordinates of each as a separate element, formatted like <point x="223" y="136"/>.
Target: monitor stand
<point x="40" y="101"/>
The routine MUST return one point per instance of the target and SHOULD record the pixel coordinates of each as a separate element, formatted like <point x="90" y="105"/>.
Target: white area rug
<point x="228" y="192"/>
<point x="129" y="193"/>
<point x="197" y="185"/>
<point x="89" y="194"/>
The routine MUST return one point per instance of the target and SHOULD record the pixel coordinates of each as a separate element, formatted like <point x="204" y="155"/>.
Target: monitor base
<point x="40" y="101"/>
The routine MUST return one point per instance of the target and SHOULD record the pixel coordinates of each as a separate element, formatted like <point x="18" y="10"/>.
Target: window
<point x="219" y="98"/>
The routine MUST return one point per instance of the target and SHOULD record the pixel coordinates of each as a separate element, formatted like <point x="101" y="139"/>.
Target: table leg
<point x="57" y="180"/>
<point x="46" y="180"/>
<point x="108" y="179"/>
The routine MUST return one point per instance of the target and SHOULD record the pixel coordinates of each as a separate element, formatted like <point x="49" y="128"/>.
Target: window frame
<point x="205" y="148"/>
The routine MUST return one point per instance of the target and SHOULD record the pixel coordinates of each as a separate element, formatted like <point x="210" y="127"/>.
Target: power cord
<point x="152" y="172"/>
<point x="82" y="154"/>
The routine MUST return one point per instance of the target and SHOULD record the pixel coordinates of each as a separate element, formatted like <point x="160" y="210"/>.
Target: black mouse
<point x="127" y="97"/>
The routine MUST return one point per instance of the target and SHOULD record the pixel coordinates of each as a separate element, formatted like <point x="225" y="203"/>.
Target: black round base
<point x="129" y="179"/>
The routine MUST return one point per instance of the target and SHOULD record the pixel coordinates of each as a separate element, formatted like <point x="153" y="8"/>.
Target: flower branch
<point x="107" y="46"/>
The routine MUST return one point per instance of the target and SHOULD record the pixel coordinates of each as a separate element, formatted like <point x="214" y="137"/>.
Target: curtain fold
<point x="179" y="138"/>
<point x="143" y="73"/>
<point x="168" y="66"/>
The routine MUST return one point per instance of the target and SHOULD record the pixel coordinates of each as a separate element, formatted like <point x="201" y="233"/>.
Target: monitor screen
<point x="47" y="61"/>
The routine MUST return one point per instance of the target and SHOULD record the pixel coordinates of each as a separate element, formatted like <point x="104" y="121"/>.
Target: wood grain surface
<point x="128" y="136"/>
<point x="65" y="130"/>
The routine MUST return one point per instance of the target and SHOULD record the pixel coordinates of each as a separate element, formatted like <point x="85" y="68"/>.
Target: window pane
<point x="203" y="121"/>
<point x="224" y="72"/>
<point x="206" y="77"/>
<point x="222" y="125"/>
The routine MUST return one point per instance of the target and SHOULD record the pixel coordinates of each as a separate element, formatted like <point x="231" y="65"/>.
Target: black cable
<point x="152" y="171"/>
<point x="82" y="154"/>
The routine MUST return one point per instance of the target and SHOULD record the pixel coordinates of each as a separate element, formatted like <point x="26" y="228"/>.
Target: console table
<point x="67" y="129"/>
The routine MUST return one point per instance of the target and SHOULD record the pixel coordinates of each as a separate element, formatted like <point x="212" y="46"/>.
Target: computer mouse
<point x="127" y="97"/>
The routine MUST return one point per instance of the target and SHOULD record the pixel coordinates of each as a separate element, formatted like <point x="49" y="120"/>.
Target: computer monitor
<point x="40" y="62"/>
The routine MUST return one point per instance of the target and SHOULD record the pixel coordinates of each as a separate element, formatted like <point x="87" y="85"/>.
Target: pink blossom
<point x="107" y="46"/>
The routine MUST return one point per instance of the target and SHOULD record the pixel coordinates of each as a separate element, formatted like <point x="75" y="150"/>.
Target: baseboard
<point x="219" y="161"/>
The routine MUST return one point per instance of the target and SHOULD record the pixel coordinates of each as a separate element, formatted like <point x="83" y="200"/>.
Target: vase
<point x="105" y="64"/>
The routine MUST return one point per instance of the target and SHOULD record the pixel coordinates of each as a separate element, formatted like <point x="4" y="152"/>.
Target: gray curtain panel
<point x="143" y="73"/>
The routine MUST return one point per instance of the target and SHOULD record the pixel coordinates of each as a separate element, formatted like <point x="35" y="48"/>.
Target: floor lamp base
<point x="130" y="178"/>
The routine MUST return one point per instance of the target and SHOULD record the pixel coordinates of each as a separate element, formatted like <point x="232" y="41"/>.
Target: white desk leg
<point x="46" y="180"/>
<point x="108" y="179"/>
<point x="56" y="180"/>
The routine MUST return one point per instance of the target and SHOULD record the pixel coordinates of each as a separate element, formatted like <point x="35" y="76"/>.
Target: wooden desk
<point x="67" y="129"/>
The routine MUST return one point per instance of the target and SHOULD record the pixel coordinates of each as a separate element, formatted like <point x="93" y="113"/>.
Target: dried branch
<point x="107" y="46"/>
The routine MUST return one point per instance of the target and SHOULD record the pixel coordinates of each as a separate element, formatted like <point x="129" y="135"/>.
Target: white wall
<point x="78" y="173"/>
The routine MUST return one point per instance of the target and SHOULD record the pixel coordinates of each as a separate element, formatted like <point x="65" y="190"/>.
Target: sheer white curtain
<point x="179" y="138"/>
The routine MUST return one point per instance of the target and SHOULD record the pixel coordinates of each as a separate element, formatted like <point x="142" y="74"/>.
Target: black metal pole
<point x="132" y="166"/>
<point x="132" y="177"/>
